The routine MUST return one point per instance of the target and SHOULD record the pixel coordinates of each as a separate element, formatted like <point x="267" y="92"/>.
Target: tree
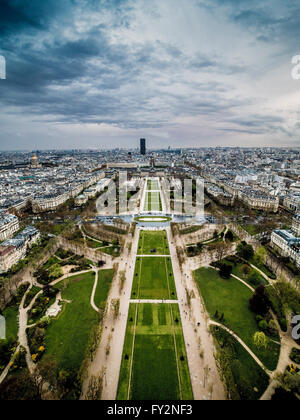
<point x="55" y="271"/>
<point x="225" y="270"/>
<point x="290" y="382"/>
<point x="122" y="280"/>
<point x="221" y="250"/>
<point x="261" y="255"/>
<point x="229" y="236"/>
<point x="115" y="306"/>
<point x="260" y="340"/>
<point x="259" y="303"/>
<point x="115" y="242"/>
<point x="245" y="251"/>
<point x="272" y="325"/>
<point x="48" y="368"/>
<point x="199" y="246"/>
<point x="254" y="279"/>
<point x="191" y="250"/>
<point x="263" y="325"/>
<point x="246" y="269"/>
<point x="19" y="387"/>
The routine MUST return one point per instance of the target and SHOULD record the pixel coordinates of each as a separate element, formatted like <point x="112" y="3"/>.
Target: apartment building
<point x="222" y="197"/>
<point x="13" y="250"/>
<point x="288" y="241"/>
<point x="292" y="203"/>
<point x="8" y="258"/>
<point x="259" y="201"/>
<point x="9" y="224"/>
<point x="48" y="202"/>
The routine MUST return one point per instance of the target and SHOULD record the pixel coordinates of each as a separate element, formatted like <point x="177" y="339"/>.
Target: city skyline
<point x="87" y="74"/>
<point x="147" y="263"/>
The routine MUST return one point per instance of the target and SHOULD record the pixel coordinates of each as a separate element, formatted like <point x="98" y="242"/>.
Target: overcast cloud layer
<point x="103" y="73"/>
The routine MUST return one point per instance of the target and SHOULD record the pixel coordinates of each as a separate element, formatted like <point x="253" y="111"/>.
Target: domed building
<point x="35" y="162"/>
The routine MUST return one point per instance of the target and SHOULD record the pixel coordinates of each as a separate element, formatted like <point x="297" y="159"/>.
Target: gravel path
<point x="205" y="377"/>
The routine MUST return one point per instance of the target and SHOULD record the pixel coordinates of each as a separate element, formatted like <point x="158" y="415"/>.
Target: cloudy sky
<point x="103" y="73"/>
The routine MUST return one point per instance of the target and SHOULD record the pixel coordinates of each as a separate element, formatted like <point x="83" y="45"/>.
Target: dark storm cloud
<point x="80" y="80"/>
<point x="29" y="15"/>
<point x="65" y="66"/>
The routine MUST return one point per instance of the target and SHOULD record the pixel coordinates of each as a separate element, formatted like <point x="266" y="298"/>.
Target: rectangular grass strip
<point x="159" y="368"/>
<point x="154" y="279"/>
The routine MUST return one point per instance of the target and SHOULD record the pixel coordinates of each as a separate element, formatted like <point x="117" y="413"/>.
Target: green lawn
<point x="67" y="337"/>
<point x="150" y="240"/>
<point x="244" y="378"/>
<point x="111" y="250"/>
<point x="93" y="244"/>
<point x="152" y="185"/>
<point x="105" y="278"/>
<point x="158" y="373"/>
<point x="52" y="261"/>
<point x="253" y="229"/>
<point x="153" y="201"/>
<point x="11" y="318"/>
<point x="232" y="298"/>
<point x="153" y="279"/>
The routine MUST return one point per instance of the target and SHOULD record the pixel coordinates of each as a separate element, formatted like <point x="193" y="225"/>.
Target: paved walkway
<point x="205" y="377"/>
<point x="154" y="301"/>
<point x="244" y="282"/>
<point x="96" y="271"/>
<point x="153" y="256"/>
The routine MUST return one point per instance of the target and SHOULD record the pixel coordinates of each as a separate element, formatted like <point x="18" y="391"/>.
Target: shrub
<point x="259" y="318"/>
<point x="260" y="340"/>
<point x="277" y="307"/>
<point x="263" y="325"/>
<point x="254" y="279"/>
<point x="246" y="269"/>
<point x="295" y="356"/>
<point x="229" y="236"/>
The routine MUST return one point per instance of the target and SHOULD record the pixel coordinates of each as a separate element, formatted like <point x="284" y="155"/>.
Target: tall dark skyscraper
<point x="143" y="146"/>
